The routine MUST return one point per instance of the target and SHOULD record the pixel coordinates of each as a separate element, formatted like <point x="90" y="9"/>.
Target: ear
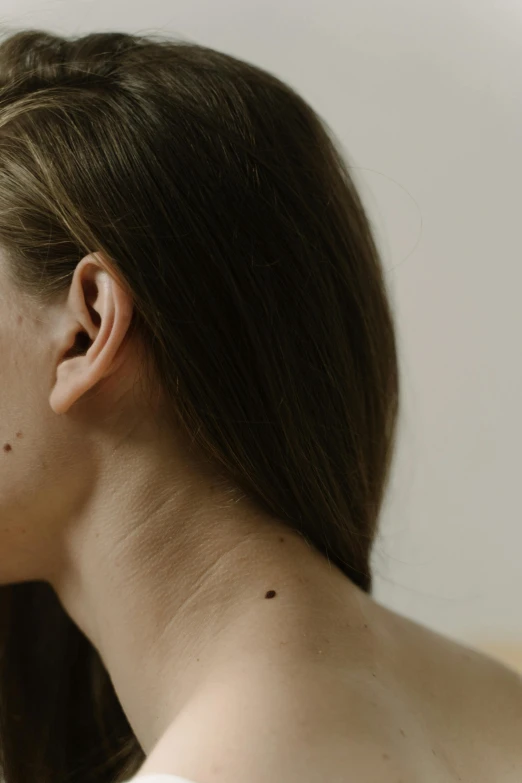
<point x="90" y="330"/>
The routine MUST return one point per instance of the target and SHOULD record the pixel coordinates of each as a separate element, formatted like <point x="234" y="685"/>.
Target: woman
<point x="199" y="407"/>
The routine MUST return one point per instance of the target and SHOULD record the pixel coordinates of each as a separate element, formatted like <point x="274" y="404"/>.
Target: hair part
<point x="221" y="200"/>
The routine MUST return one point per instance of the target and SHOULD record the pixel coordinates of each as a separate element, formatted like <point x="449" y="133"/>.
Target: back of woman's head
<point x="219" y="199"/>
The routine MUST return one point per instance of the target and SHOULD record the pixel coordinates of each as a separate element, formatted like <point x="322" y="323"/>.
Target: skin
<point x="200" y="606"/>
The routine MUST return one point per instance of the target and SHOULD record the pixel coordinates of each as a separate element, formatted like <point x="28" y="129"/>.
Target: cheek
<point x="23" y="392"/>
<point x="38" y="460"/>
<point x="29" y="486"/>
<point x="21" y="479"/>
<point x="45" y="473"/>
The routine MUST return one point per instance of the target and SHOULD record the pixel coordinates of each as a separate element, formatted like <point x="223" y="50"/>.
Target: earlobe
<point x="98" y="315"/>
<point x="72" y="381"/>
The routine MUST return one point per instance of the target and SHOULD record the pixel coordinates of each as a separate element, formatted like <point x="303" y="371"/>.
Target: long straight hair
<point x="223" y="203"/>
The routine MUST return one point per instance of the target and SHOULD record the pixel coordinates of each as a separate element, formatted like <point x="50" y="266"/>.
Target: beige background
<point x="510" y="654"/>
<point x="426" y="99"/>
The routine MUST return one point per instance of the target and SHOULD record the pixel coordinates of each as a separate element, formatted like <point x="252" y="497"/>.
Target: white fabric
<point x="159" y="778"/>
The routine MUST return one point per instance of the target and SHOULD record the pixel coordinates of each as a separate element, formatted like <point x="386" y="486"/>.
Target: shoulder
<point x="496" y="695"/>
<point x="418" y="707"/>
<point x="492" y="708"/>
<point x="470" y="701"/>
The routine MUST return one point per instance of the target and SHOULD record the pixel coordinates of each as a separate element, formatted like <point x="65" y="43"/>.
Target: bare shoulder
<point x="393" y="701"/>
<point x="450" y="714"/>
<point x="470" y="702"/>
<point x="492" y="699"/>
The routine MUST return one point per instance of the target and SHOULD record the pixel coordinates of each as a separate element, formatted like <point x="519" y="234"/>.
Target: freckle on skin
<point x="7" y="447"/>
<point x="18" y="434"/>
<point x="270" y="594"/>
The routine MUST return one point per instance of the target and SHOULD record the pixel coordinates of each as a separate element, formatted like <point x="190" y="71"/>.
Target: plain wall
<point x="425" y="98"/>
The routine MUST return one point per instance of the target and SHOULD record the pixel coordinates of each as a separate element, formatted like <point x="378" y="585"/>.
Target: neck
<point x="174" y="607"/>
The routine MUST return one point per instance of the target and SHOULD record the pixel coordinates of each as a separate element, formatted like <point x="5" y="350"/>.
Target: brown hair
<point x="221" y="200"/>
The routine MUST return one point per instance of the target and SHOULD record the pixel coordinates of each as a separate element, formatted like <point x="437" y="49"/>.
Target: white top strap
<point x="159" y="778"/>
